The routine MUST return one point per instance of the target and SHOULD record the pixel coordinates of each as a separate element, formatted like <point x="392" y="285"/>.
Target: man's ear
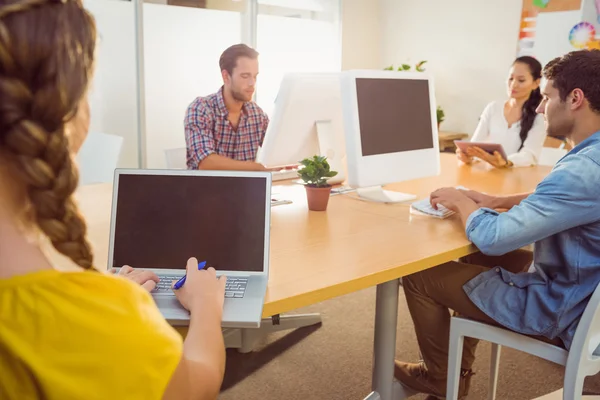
<point x="576" y="99"/>
<point x="226" y="76"/>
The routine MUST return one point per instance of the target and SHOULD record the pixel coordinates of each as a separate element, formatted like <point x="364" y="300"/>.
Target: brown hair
<point x="577" y="70"/>
<point x="228" y="60"/>
<point x="46" y="61"/>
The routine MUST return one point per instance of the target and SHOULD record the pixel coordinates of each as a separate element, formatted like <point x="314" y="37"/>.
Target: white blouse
<point x="493" y="128"/>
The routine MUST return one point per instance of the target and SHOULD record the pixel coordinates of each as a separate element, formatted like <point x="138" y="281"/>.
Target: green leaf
<point x="440" y="114"/>
<point x="419" y="66"/>
<point x="405" y="67"/>
<point x="316" y="171"/>
<point x="390" y="68"/>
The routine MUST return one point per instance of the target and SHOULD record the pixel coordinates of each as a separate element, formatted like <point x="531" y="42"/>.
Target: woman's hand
<point x="495" y="159"/>
<point x="147" y="279"/>
<point x="202" y="288"/>
<point x="462" y="156"/>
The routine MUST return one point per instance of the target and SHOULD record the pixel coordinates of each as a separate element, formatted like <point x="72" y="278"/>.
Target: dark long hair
<point x="528" y="113"/>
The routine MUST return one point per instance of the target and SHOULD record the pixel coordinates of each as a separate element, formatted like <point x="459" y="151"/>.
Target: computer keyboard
<point x="165" y="284"/>
<point x="235" y="287"/>
<point x="424" y="206"/>
<point x="284" y="174"/>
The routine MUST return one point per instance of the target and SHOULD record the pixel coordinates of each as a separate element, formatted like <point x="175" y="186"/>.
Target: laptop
<point x="161" y="218"/>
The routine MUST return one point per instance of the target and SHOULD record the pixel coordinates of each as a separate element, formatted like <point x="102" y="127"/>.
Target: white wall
<point x="469" y="45"/>
<point x="361" y="29"/>
<point x="181" y="53"/>
<point x="113" y="94"/>
<point x="361" y="34"/>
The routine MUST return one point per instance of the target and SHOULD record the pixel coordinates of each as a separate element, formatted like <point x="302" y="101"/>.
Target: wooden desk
<point x="354" y="245"/>
<point x="316" y="256"/>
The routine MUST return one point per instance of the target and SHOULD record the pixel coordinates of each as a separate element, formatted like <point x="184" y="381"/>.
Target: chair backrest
<point x="98" y="158"/>
<point x="584" y="352"/>
<point x="176" y="158"/>
<point x="550" y="156"/>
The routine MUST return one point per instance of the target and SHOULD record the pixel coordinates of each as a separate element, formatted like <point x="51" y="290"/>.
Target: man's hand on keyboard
<point x="147" y="279"/>
<point x="455" y="200"/>
<point x="449" y="197"/>
<point x="482" y="200"/>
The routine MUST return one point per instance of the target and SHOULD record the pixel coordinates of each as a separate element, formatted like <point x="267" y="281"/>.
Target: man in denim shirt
<point x="562" y="218"/>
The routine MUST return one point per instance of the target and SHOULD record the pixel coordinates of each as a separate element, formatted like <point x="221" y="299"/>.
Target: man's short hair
<point x="577" y="70"/>
<point x="228" y="60"/>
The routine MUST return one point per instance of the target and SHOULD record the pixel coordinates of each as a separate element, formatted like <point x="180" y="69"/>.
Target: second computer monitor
<point x="391" y="130"/>
<point x="306" y="121"/>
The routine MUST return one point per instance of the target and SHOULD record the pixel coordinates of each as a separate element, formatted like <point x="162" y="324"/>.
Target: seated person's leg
<point x="515" y="261"/>
<point x="429" y="295"/>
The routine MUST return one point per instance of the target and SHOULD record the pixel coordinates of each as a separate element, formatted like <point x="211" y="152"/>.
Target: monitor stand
<point x="328" y="148"/>
<point x="377" y="194"/>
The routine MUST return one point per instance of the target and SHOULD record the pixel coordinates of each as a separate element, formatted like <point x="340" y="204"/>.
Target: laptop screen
<point x="162" y="220"/>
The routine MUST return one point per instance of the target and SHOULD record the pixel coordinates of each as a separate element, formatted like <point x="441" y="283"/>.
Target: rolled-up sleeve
<point x="199" y="135"/>
<point x="561" y="201"/>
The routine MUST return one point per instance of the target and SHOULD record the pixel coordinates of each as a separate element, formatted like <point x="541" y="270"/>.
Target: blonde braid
<point x="41" y="83"/>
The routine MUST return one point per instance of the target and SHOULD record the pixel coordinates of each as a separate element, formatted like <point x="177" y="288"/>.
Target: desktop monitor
<point x="391" y="130"/>
<point x="307" y="120"/>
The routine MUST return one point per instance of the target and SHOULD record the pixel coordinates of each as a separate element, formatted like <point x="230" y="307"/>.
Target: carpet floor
<point x="333" y="361"/>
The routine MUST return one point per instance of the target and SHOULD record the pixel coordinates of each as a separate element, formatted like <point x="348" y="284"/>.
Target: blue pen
<point x="180" y="282"/>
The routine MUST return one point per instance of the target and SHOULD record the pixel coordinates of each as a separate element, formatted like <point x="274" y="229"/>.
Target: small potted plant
<point x="419" y="67"/>
<point x="440" y="116"/>
<point x="314" y="172"/>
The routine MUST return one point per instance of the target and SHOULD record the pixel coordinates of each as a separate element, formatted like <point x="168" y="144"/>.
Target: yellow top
<point x="82" y="335"/>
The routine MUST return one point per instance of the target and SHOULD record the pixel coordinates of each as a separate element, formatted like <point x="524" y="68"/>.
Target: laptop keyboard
<point x="165" y="284"/>
<point x="235" y="287"/>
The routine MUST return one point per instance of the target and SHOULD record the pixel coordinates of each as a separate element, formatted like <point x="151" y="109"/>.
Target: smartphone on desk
<point x="463" y="145"/>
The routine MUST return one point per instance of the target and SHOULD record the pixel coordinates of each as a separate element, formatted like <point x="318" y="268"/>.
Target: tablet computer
<point x="463" y="145"/>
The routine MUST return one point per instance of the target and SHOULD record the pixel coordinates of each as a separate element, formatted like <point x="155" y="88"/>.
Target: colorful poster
<point x="580" y="33"/>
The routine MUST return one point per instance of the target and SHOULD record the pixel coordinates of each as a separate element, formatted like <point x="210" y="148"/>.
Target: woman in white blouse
<point x="513" y="123"/>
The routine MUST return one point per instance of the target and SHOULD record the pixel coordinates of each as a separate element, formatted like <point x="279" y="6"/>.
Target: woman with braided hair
<point x="83" y="334"/>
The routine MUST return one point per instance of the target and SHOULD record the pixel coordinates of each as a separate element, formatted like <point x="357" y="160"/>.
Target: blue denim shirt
<point x="562" y="218"/>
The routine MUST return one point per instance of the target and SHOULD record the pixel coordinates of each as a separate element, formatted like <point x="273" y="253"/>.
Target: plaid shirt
<point x="208" y="131"/>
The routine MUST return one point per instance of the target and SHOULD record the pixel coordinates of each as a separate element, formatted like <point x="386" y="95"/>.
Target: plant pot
<point x="317" y="197"/>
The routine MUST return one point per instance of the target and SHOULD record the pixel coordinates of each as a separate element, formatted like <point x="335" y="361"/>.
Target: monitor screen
<point x="394" y="115"/>
<point x="162" y="220"/>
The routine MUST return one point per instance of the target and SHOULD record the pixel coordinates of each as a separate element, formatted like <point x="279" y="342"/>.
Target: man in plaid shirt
<point x="224" y="130"/>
